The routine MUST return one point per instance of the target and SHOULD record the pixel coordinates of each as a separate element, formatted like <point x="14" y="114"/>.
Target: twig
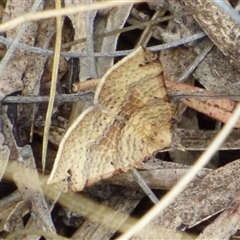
<point x="176" y="43"/>
<point x="83" y="40"/>
<point x="147" y="32"/>
<point x="129" y="28"/>
<point x="58" y="98"/>
<point x="196" y="62"/>
<point x="141" y="182"/>
<point x="88" y="96"/>
<point x="86" y="85"/>
<point x="106" y="54"/>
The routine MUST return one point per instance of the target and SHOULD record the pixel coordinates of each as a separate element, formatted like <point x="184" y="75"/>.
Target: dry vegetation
<point x="197" y="43"/>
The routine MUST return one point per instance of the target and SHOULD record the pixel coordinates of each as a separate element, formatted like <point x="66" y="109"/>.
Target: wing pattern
<point x="130" y="119"/>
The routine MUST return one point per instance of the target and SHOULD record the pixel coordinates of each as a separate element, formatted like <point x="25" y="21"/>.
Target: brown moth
<point x="130" y="119"/>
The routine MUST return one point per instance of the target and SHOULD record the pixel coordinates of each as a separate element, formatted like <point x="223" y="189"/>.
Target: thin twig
<point x="58" y="98"/>
<point x="196" y="62"/>
<point x="191" y="38"/>
<point x="147" y="32"/>
<point x="129" y="28"/>
<point x="88" y="96"/>
<point x="176" y="43"/>
<point x="86" y="85"/>
<point x="141" y="182"/>
<point x="83" y="40"/>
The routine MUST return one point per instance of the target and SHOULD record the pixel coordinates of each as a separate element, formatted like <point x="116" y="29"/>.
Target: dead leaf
<point x="198" y="140"/>
<point x="7" y="206"/>
<point x="11" y="79"/>
<point x="226" y="224"/>
<point x="219" y="109"/>
<point x="120" y="204"/>
<point x="157" y="174"/>
<point x="14" y="221"/>
<point x="203" y="199"/>
<point x="115" y="19"/>
<point x="218" y="24"/>
<point x="216" y="74"/>
<point x="26" y="178"/>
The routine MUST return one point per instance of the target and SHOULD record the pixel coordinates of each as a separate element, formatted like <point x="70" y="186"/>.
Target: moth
<point x="129" y="120"/>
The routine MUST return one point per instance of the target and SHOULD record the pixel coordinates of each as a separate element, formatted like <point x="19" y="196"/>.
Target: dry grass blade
<point x="220" y="228"/>
<point x="63" y="12"/>
<point x="53" y="85"/>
